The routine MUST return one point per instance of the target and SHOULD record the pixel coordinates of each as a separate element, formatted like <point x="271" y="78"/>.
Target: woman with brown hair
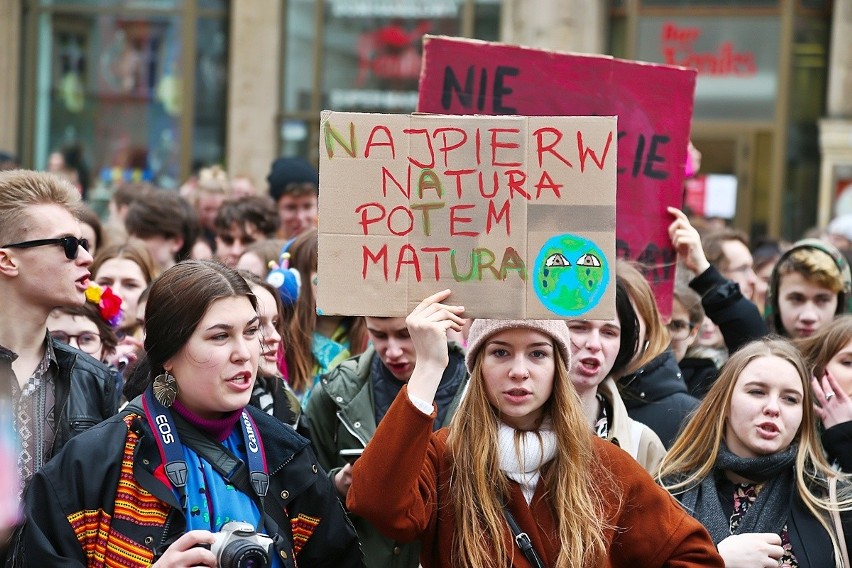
<point x="189" y="467"/>
<point x="829" y="354"/>
<point x="518" y="478"/>
<point x="271" y="392"/>
<point x="319" y="342"/>
<point x="127" y="268"/>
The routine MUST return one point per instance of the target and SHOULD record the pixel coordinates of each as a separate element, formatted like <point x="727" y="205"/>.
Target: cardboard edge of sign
<point x="402" y="307"/>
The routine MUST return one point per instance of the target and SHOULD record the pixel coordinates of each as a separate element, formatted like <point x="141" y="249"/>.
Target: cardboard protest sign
<point x="516" y="215"/>
<point x="653" y="104"/>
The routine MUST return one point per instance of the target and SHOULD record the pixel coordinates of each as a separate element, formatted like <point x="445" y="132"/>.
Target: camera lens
<point x="242" y="554"/>
<point x="252" y="562"/>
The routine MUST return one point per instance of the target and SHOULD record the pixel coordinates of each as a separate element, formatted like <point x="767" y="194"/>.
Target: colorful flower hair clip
<point x="109" y="305"/>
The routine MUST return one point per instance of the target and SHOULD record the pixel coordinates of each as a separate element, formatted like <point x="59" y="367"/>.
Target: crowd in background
<point x="430" y="440"/>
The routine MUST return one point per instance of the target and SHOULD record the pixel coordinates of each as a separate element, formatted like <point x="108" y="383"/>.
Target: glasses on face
<point x="744" y="269"/>
<point x="71" y="245"/>
<point x="679" y="329"/>
<point x="87" y="342"/>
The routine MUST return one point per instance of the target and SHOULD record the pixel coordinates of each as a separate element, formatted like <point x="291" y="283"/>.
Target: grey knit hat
<point x="482" y="329"/>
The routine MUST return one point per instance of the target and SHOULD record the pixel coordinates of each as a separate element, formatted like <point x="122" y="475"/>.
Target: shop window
<point x="109" y="90"/>
<point x="210" y="108"/>
<point x="369" y="59"/>
<point x="124" y="4"/>
<point x="807" y="93"/>
<point x="711" y="3"/>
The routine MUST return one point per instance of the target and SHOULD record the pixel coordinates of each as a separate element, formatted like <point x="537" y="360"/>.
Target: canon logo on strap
<point x="165" y="429"/>
<point x="252" y="440"/>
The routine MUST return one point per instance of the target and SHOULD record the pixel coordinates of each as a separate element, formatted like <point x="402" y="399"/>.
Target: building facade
<point x="149" y="89"/>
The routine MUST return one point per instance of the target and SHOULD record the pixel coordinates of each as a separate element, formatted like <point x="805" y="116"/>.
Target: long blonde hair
<point x="693" y="454"/>
<point x="820" y="348"/>
<point x="478" y="487"/>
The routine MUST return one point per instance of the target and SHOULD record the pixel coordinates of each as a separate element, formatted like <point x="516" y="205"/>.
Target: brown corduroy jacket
<point x="400" y="484"/>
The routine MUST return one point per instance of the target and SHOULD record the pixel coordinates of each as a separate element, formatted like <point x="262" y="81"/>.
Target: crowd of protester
<point x="166" y="384"/>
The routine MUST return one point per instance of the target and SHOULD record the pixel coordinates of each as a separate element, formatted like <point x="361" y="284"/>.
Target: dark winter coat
<point x="103" y="501"/>
<point x="656" y="396"/>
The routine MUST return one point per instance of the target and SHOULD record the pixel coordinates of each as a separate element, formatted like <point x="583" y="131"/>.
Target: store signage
<point x="390" y="52"/>
<point x="736" y="59"/>
<point x="678" y="44"/>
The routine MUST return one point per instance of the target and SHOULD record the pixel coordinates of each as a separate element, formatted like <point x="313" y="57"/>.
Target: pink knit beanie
<point x="482" y="329"/>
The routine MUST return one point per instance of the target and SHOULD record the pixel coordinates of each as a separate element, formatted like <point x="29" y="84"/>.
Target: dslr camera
<point x="238" y="545"/>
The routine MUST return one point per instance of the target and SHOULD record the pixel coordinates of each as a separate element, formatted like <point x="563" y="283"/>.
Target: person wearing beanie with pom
<point x="518" y="451"/>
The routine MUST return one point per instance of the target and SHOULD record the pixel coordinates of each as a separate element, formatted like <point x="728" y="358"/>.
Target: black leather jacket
<point x="85" y="393"/>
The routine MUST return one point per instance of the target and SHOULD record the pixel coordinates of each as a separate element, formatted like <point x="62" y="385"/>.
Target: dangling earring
<point x="165" y="388"/>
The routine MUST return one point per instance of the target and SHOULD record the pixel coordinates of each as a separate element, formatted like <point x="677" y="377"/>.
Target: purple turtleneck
<point x="219" y="429"/>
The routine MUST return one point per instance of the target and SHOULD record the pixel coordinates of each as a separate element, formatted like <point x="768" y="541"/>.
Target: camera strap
<point x="172" y="429"/>
<point x="169" y="429"/>
<point x="231" y="468"/>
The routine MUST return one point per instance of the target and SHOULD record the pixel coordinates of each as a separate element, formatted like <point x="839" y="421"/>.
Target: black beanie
<point x="290" y="170"/>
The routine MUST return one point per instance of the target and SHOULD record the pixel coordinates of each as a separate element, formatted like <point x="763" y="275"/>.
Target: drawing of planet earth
<point x="570" y="275"/>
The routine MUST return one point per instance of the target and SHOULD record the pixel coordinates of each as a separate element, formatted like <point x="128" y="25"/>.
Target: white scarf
<point x="523" y="464"/>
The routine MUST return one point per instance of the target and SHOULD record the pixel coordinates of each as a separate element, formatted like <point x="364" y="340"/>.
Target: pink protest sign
<point x="653" y="104"/>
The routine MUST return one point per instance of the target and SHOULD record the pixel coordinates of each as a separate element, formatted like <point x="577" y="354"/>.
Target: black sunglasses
<point x="70" y="244"/>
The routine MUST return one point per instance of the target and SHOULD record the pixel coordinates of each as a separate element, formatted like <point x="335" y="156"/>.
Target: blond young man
<point x="56" y="391"/>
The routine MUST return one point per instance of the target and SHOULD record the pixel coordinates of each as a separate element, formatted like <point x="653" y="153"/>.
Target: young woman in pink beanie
<point x="518" y="479"/>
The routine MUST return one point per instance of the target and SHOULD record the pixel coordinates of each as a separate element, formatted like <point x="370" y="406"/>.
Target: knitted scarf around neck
<point x="217" y="428"/>
<point x="769" y="512"/>
<point x="523" y="463"/>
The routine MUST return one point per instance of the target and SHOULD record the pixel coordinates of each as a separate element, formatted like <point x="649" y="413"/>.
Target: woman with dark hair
<point x="750" y="467"/>
<point x="188" y="474"/>
<point x="601" y="349"/>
